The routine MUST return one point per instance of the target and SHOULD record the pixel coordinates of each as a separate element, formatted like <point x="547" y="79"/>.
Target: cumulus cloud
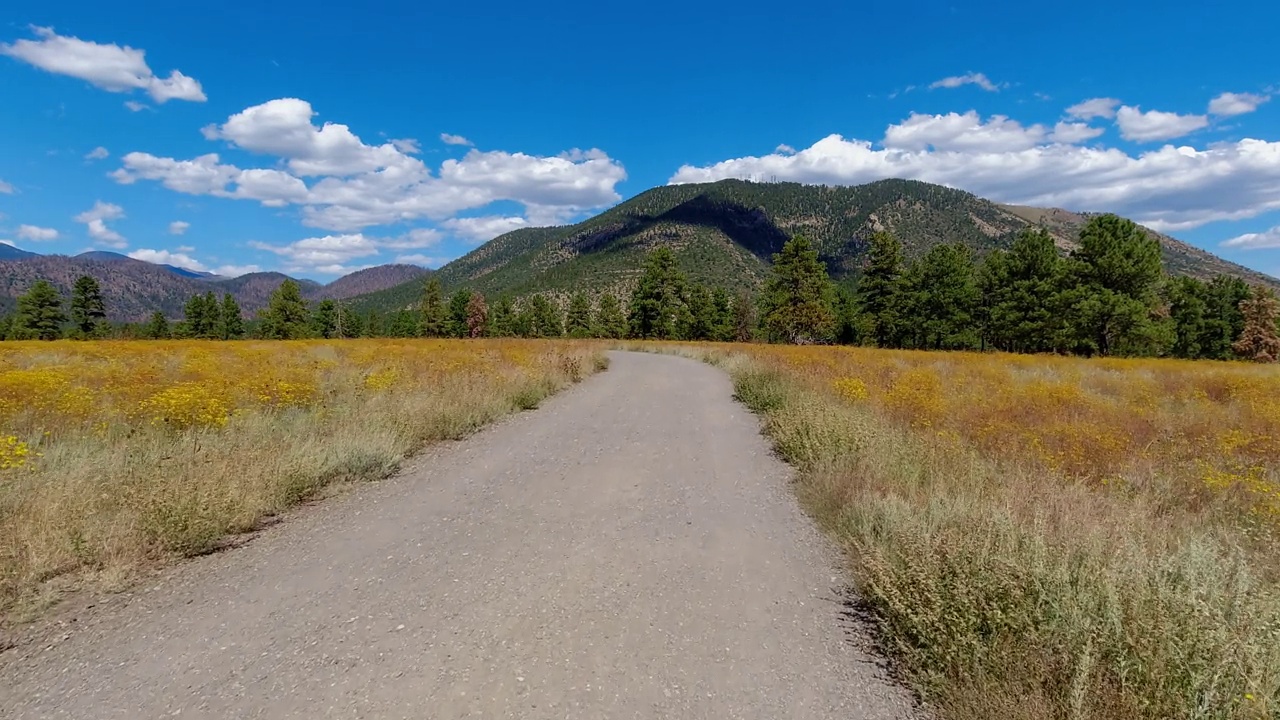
<point x="95" y="219"/>
<point x="785" y="149"/>
<point x="971" y="78"/>
<point x="361" y="185"/>
<point x="1074" y="132"/>
<point x="423" y="260"/>
<point x="336" y="252"/>
<point x="235" y="270"/>
<point x="97" y="153"/>
<point x="450" y="139"/>
<point x="1170" y="188"/>
<point x="409" y="146"/>
<point x="967" y="132"/>
<point x="484" y="229"/>
<point x="178" y="227"/>
<point x="165" y="257"/>
<point x="36" y="234"/>
<point x="1094" y="107"/>
<point x="1255" y="241"/>
<point x="283" y="127"/>
<point x="111" y="67"/>
<point x="1228" y="103"/>
<point x="1155" y="125"/>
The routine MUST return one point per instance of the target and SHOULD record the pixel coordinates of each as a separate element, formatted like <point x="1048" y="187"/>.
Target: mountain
<point x="133" y="289"/>
<point x="370" y="280"/>
<point x="9" y="252"/>
<point x="725" y="233"/>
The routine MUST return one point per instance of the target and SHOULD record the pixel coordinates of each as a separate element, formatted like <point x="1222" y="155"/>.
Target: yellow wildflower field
<point x="116" y="455"/>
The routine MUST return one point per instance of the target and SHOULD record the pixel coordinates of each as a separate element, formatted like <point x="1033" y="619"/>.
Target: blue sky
<point x="296" y="137"/>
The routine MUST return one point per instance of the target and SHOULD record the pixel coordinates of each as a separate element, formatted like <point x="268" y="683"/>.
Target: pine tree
<point x="1223" y="321"/>
<point x="1186" y="299"/>
<point x="578" y="323"/>
<point x="502" y="318"/>
<point x="1019" y="288"/>
<point x="744" y="318"/>
<point x="796" y="304"/>
<point x="157" y="328"/>
<point x="286" y="316"/>
<point x="231" y="321"/>
<point x="611" y="322"/>
<point x="721" y="315"/>
<point x="1115" y="270"/>
<point x="1259" y="340"/>
<point x="202" y="316"/>
<point x="880" y="286"/>
<point x="324" y="321"/>
<point x="477" y="316"/>
<point x="457" y="320"/>
<point x="948" y="297"/>
<point x="700" y="323"/>
<point x="353" y="324"/>
<point x="402" y="323"/>
<point x="658" y="309"/>
<point x="545" y="318"/>
<point x="431" y="309"/>
<point x="40" y="315"/>
<point x="88" y="311"/>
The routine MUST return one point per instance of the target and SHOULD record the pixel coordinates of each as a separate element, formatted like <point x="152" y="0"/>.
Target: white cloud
<point x="423" y="260"/>
<point x="1229" y="103"/>
<point x="36" y="234"/>
<point x="785" y="149"/>
<point x="328" y="251"/>
<point x="5" y="188"/>
<point x="971" y="78"/>
<point x="178" y="227"/>
<point x="413" y="240"/>
<point x="965" y="132"/>
<point x="363" y="185"/>
<point x="408" y="146"/>
<point x="235" y="270"/>
<point x="1074" y="132"/>
<point x="337" y="251"/>
<point x="135" y="106"/>
<point x="283" y="127"/>
<point x="1255" y="241"/>
<point x="450" y="139"/>
<point x="484" y="229"/>
<point x="206" y="175"/>
<point x="188" y="249"/>
<point x="1095" y="107"/>
<point x="97" y="153"/>
<point x="110" y="67"/>
<point x="165" y="257"/>
<point x="95" y="219"/>
<point x="1170" y="188"/>
<point x="1155" y="125"/>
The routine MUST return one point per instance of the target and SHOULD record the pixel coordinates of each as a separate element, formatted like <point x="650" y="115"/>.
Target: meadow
<point x="119" y="457"/>
<point x="1044" y="537"/>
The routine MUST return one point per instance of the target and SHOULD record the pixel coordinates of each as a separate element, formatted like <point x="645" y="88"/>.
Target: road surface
<point x="629" y="550"/>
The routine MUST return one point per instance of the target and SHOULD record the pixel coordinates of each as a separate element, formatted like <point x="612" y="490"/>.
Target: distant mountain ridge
<point x="725" y="234"/>
<point x="133" y="289"/>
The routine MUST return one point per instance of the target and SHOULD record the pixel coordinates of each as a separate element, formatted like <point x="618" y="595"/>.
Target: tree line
<point x="1110" y="296"/>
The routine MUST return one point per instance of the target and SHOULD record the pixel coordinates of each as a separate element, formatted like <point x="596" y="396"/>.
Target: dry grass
<point x="118" y="456"/>
<point x="1045" y="537"/>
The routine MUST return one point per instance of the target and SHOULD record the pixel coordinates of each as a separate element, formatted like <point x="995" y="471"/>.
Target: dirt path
<point x="629" y="550"/>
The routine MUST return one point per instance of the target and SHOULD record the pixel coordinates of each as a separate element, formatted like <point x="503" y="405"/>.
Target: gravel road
<point x="629" y="550"/>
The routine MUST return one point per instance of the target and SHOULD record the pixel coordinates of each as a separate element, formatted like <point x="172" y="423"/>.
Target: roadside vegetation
<point x="119" y="456"/>
<point x="1041" y="537"/>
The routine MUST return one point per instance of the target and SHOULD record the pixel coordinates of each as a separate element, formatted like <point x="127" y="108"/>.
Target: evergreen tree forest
<point x="1107" y="298"/>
